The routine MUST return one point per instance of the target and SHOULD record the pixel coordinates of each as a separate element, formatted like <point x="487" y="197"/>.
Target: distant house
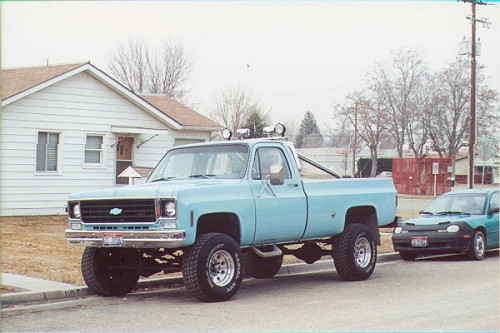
<point x="71" y="128"/>
<point x="491" y="168"/>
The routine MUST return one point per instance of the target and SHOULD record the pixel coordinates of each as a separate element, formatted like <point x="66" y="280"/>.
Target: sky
<point x="294" y="56"/>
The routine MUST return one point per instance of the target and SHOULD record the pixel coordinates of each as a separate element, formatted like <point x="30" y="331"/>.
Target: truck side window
<point x="264" y="158"/>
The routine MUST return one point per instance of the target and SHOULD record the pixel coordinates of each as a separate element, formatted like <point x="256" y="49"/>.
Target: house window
<point x="47" y="151"/>
<point x="93" y="150"/>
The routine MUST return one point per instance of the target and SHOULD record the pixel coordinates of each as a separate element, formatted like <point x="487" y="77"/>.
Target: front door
<point x="281" y="210"/>
<point x="123" y="156"/>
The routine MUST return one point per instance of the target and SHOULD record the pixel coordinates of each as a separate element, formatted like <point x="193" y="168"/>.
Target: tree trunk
<point x="374" y="157"/>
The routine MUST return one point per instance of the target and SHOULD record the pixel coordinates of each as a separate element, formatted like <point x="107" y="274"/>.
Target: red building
<point x="422" y="176"/>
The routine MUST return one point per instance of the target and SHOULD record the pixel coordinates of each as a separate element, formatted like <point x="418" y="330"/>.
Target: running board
<point x="275" y="252"/>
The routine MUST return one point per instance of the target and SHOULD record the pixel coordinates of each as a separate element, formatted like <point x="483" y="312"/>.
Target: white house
<point x="491" y="170"/>
<point x="72" y="128"/>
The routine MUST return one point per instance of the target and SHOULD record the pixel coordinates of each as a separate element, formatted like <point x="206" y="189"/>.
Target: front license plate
<point x="113" y="240"/>
<point x="419" y="241"/>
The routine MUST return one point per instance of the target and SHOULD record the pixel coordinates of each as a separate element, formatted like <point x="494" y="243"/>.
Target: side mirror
<point x="277" y="174"/>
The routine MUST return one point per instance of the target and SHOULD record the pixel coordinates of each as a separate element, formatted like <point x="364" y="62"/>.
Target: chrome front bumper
<point x="136" y="239"/>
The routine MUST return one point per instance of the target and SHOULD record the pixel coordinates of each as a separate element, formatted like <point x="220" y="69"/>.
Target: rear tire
<point x="477" y="249"/>
<point x="355" y="252"/>
<point x="407" y="256"/>
<point x="212" y="268"/>
<point x="102" y="272"/>
<point x="261" y="268"/>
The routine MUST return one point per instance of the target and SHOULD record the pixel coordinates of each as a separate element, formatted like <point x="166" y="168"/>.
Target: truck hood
<point x="150" y="190"/>
<point x="436" y="219"/>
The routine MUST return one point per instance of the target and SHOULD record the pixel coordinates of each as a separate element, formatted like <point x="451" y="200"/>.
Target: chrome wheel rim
<point x="479" y="245"/>
<point x="221" y="268"/>
<point x="362" y="252"/>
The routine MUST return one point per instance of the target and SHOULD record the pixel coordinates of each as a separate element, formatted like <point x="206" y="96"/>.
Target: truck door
<point x="281" y="210"/>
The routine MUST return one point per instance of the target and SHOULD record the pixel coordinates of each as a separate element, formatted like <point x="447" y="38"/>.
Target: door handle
<point x="294" y="185"/>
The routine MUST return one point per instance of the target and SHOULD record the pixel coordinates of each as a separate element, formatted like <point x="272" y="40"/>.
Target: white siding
<point x="75" y="107"/>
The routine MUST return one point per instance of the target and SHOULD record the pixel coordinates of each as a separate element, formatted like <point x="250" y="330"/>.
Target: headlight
<point x="170" y="209"/>
<point x="74" y="210"/>
<point x="398" y="230"/>
<point x="453" y="228"/>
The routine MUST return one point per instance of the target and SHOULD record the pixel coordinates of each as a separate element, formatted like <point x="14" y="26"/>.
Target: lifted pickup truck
<point x="216" y="211"/>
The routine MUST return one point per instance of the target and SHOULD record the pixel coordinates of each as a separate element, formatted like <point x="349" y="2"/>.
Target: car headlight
<point x="453" y="228"/>
<point x="170" y="209"/>
<point x="398" y="230"/>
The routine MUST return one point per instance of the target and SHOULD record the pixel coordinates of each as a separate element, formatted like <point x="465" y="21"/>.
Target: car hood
<point x="150" y="190"/>
<point x="436" y="219"/>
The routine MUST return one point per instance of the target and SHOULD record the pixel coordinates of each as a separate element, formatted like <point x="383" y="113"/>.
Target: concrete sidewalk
<point x="38" y="290"/>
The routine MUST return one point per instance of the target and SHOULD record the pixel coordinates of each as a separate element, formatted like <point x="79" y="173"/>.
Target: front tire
<point x="212" y="268"/>
<point x="103" y="272"/>
<point x="355" y="253"/>
<point x="477" y="249"/>
<point x="261" y="268"/>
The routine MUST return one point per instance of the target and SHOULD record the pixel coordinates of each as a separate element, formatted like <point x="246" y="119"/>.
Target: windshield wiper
<point x="202" y="176"/>
<point x="426" y="212"/>
<point x="163" y="179"/>
<point x="453" y="213"/>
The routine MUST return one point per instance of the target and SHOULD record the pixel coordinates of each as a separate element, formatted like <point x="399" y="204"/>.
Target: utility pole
<point x="354" y="145"/>
<point x="472" y="135"/>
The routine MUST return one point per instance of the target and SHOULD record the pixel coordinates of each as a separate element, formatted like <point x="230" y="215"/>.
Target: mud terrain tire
<point x="102" y="273"/>
<point x="355" y="253"/>
<point x="212" y="268"/>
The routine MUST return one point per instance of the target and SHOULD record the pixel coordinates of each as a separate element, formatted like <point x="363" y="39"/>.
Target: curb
<point x="26" y="297"/>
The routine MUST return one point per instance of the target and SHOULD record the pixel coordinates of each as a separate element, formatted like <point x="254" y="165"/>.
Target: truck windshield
<point x="221" y="162"/>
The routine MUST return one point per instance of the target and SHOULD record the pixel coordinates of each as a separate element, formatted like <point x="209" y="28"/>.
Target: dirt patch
<point x="34" y="246"/>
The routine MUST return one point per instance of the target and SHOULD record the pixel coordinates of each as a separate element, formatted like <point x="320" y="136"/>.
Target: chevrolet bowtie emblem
<point x="115" y="211"/>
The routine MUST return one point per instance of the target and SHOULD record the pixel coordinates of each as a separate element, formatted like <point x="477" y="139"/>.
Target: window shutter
<point x="52" y="152"/>
<point x="41" y="151"/>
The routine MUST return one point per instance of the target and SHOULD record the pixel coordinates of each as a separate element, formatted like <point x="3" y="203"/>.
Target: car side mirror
<point x="493" y="211"/>
<point x="277" y="174"/>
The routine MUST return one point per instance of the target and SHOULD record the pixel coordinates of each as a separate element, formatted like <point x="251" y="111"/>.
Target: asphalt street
<point x="439" y="294"/>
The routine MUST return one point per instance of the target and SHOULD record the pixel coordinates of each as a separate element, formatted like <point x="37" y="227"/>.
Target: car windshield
<point x="221" y="162"/>
<point x="470" y="204"/>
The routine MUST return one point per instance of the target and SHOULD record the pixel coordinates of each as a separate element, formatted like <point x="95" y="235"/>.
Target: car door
<point x="492" y="227"/>
<point x="281" y="210"/>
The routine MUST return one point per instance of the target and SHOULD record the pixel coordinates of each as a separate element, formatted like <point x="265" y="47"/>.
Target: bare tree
<point x="368" y="114"/>
<point x="145" y="70"/>
<point x="449" y="122"/>
<point x="398" y="86"/>
<point x="232" y="107"/>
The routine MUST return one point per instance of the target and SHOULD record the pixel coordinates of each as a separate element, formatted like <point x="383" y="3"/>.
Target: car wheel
<point x="261" y="268"/>
<point x="407" y="256"/>
<point x="355" y="253"/>
<point x="103" y="272"/>
<point x="212" y="268"/>
<point x="477" y="248"/>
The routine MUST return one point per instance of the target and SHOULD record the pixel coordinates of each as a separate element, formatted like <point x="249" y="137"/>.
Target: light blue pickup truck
<point x="216" y="211"/>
